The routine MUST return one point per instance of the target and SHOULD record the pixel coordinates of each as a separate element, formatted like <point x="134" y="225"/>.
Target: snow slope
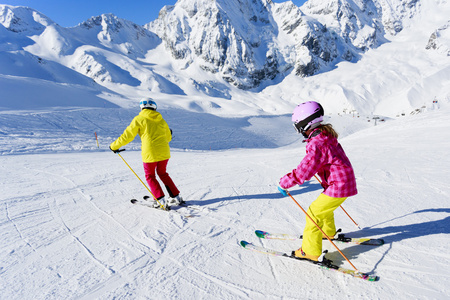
<point x="68" y="230"/>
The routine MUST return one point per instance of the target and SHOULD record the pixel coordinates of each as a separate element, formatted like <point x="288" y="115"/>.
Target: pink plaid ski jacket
<point x="324" y="156"/>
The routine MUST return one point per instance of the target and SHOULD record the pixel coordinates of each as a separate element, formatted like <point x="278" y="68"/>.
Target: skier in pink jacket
<point x="324" y="156"/>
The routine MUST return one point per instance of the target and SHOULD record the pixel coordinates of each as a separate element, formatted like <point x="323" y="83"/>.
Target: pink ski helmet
<point x="307" y="114"/>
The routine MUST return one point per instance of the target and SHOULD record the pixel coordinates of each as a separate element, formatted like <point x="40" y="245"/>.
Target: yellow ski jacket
<point x="154" y="132"/>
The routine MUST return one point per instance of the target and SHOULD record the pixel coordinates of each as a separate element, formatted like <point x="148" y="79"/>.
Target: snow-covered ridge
<point x="231" y="36"/>
<point x="23" y="20"/>
<point x="439" y="40"/>
<point x="215" y="50"/>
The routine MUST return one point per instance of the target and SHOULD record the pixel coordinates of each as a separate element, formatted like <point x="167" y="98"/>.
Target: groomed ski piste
<point x="69" y="231"/>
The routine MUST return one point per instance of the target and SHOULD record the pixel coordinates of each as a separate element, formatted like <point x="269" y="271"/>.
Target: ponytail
<point x="329" y="129"/>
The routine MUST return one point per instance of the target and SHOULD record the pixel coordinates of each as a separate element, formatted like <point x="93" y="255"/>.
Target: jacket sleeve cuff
<point x="287" y="182"/>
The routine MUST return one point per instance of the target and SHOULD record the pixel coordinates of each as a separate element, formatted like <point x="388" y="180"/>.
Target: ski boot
<point x="177" y="200"/>
<point x="155" y="204"/>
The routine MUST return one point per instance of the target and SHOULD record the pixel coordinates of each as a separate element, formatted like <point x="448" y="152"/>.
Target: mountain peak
<point x="112" y="31"/>
<point x="23" y="19"/>
<point x="108" y="22"/>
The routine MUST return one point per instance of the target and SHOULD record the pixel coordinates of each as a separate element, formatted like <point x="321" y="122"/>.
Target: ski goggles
<point x="298" y="128"/>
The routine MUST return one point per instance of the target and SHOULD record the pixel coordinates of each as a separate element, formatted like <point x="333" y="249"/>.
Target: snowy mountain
<point x="439" y="40"/>
<point x="249" y="42"/>
<point x="240" y="50"/>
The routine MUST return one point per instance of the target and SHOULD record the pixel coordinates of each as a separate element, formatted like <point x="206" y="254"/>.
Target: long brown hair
<point x="329" y="129"/>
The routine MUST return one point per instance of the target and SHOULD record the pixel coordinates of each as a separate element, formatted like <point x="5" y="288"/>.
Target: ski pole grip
<point x="120" y="150"/>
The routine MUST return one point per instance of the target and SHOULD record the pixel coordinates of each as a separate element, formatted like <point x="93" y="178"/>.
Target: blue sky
<point x="68" y="13"/>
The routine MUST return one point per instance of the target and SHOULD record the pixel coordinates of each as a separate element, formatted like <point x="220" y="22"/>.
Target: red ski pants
<point x="159" y="167"/>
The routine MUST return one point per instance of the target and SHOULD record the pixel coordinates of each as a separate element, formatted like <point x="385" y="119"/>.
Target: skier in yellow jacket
<point x="155" y="137"/>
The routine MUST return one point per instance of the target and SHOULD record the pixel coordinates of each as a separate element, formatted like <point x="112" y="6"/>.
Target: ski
<point x="341" y="238"/>
<point x="182" y="204"/>
<point x="148" y="204"/>
<point x="171" y="210"/>
<point x="324" y="264"/>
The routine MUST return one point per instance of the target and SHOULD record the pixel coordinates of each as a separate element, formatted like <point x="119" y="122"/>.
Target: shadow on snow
<point x="397" y="233"/>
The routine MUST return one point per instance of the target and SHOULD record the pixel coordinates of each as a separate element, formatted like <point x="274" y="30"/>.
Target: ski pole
<point x="311" y="219"/>
<point x="342" y="207"/>
<point x="139" y="178"/>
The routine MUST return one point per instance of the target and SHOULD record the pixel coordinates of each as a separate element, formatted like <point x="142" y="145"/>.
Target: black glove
<point x="116" y="151"/>
<point x="171" y="132"/>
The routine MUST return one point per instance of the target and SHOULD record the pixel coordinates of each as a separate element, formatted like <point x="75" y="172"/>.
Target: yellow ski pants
<point x="322" y="212"/>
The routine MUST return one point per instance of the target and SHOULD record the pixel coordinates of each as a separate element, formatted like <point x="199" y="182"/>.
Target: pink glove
<point x="287" y="181"/>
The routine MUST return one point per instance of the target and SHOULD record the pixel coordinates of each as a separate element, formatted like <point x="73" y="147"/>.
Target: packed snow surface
<point x="69" y="231"/>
